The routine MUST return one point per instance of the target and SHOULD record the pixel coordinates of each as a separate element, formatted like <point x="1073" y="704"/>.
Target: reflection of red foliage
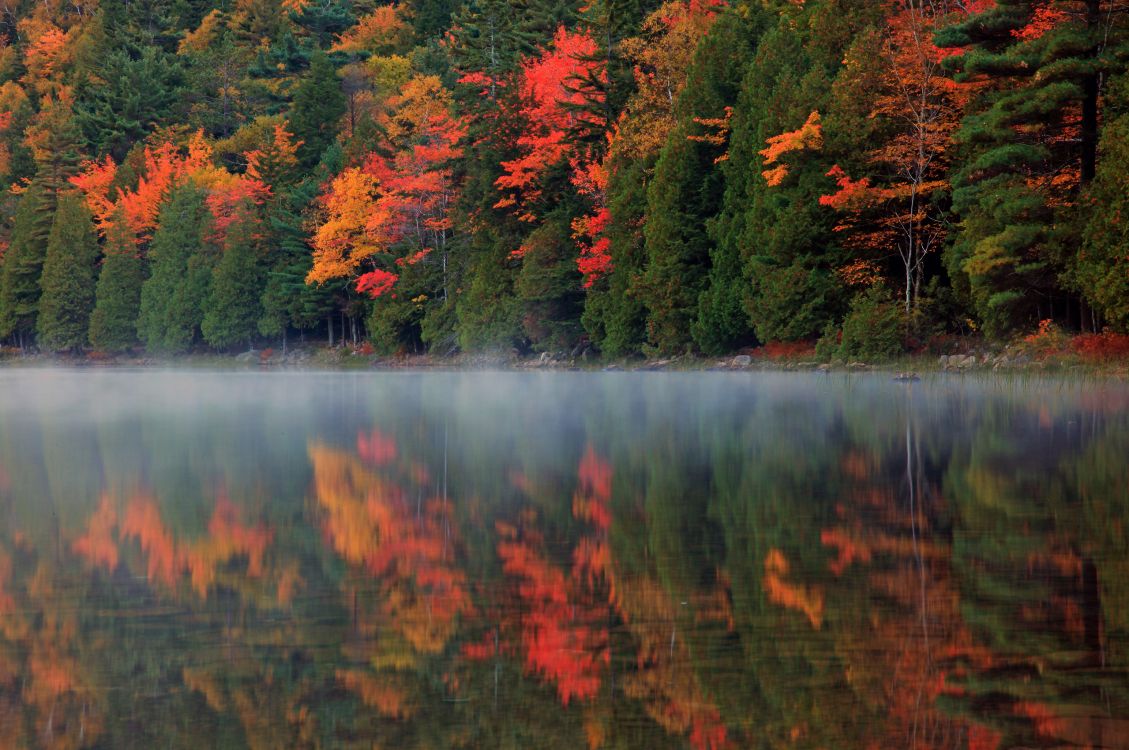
<point x="708" y="731"/>
<point x="850" y="549"/>
<point x="590" y="502"/>
<point x="560" y="638"/>
<point x="983" y="738"/>
<point x="376" y="448"/>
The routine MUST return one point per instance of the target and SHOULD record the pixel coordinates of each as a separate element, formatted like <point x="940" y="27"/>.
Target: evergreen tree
<point x="129" y="99"/>
<point x="687" y="187"/>
<point x="233" y="306"/>
<point x="1027" y="146"/>
<point x="68" y="280"/>
<point x="23" y="263"/>
<point x="172" y="297"/>
<point x="113" y="324"/>
<point x="614" y="317"/>
<point x="319" y="104"/>
<point x="548" y="286"/>
<point x="777" y="233"/>
<point x="1101" y="271"/>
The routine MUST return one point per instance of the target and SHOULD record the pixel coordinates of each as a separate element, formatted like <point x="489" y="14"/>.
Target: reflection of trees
<point x="894" y="599"/>
<point x="1040" y="551"/>
<point x="576" y="609"/>
<point x="408" y="547"/>
<point x="47" y="698"/>
<point x="793" y="574"/>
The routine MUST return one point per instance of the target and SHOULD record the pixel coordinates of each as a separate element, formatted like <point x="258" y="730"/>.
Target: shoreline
<point x="346" y="360"/>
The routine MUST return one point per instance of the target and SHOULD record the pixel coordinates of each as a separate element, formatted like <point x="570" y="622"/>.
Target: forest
<point x="868" y="177"/>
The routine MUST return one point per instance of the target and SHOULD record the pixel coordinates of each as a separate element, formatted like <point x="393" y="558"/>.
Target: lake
<point x="562" y="560"/>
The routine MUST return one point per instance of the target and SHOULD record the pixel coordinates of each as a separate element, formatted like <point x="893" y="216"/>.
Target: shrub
<point x="1101" y="347"/>
<point x="873" y="329"/>
<point x="777" y="350"/>
<point x="1048" y="341"/>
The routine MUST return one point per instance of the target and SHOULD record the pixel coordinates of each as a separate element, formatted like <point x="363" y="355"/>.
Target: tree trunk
<point x="329" y="327"/>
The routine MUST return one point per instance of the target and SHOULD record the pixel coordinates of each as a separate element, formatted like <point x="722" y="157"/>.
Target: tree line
<point x="638" y="177"/>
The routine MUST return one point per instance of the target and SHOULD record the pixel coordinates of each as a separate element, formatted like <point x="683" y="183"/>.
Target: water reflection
<point x="561" y="561"/>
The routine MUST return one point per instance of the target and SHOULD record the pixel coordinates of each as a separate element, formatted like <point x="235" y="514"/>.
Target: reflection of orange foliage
<point x="143" y="522"/>
<point x="227" y="539"/>
<point x="664" y="678"/>
<point x="369" y="522"/>
<point x="7" y="603"/>
<point x="206" y="685"/>
<point x="808" y="600"/>
<point x="389" y="700"/>
<point x="97" y="545"/>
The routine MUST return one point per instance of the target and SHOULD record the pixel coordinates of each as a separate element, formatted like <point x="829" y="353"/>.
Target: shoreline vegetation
<point x="1049" y="352"/>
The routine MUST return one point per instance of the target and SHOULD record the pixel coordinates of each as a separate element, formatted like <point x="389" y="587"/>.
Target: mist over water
<point x="561" y="560"/>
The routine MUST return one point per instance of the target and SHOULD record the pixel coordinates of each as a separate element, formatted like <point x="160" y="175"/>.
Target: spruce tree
<point x="130" y="99"/>
<point x="233" y="306"/>
<point x="173" y="295"/>
<point x="687" y="187"/>
<point x="614" y="317"/>
<point x="68" y="280"/>
<point x="319" y="104"/>
<point x="23" y="263"/>
<point x="548" y="286"/>
<point x="113" y="324"/>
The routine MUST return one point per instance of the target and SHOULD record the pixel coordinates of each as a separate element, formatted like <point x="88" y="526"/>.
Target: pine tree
<point x="23" y="263"/>
<point x="130" y="98"/>
<point x="687" y="187"/>
<point x="1028" y="145"/>
<point x="233" y="306"/>
<point x="53" y="141"/>
<point x="172" y="297"/>
<point x="319" y="104"/>
<point x="68" y="280"/>
<point x="113" y="324"/>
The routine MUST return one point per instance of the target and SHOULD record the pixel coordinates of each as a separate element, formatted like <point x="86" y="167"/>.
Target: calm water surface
<point x="561" y="560"/>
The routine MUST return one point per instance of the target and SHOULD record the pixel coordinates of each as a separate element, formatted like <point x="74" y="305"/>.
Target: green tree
<point x="113" y="324"/>
<point x="687" y="187"/>
<point x="1100" y="271"/>
<point x="131" y="98"/>
<point x="319" y="104"/>
<point x="233" y="307"/>
<point x="172" y="298"/>
<point x="68" y="280"/>
<point x="23" y="263"/>
<point x="1027" y="145"/>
